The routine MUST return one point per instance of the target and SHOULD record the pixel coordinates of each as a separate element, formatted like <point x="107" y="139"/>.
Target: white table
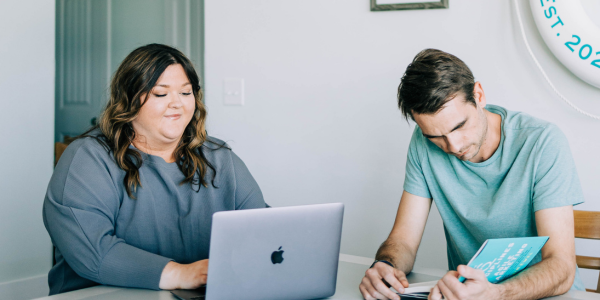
<point x="350" y="272"/>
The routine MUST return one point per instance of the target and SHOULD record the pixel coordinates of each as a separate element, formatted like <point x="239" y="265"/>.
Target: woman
<point x="130" y="202"/>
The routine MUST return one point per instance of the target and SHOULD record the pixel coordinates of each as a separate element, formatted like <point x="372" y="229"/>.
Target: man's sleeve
<point x="414" y="180"/>
<point x="80" y="211"/>
<point x="556" y="182"/>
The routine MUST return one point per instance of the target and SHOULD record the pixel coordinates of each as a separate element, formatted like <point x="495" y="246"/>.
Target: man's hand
<point x="475" y="287"/>
<point x="372" y="286"/>
<point x="400" y="249"/>
<point x="184" y="276"/>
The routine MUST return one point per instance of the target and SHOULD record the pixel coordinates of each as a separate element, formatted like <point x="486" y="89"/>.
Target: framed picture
<point x="380" y="5"/>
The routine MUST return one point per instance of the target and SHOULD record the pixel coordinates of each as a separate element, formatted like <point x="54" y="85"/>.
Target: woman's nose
<point x="176" y="101"/>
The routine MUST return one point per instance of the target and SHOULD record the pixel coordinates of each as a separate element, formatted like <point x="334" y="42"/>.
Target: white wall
<point x="321" y="123"/>
<point x="26" y="132"/>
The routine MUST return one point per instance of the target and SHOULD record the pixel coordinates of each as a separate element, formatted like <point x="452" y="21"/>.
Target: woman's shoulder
<point x="213" y="143"/>
<point x="217" y="151"/>
<point x="85" y="158"/>
<point x="213" y="146"/>
<point x="88" y="147"/>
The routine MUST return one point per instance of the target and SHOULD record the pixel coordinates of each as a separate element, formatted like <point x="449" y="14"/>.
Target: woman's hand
<point x="184" y="276"/>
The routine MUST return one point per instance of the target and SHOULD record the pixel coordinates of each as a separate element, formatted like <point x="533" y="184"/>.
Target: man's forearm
<point x="398" y="254"/>
<point x="552" y="276"/>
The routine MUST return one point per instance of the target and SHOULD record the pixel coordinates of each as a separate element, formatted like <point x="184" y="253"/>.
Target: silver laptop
<point x="275" y="253"/>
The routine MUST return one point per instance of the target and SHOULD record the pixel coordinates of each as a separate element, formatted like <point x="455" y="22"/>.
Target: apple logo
<point x="277" y="256"/>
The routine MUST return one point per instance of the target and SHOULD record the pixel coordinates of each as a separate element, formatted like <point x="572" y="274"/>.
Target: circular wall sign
<point x="571" y="36"/>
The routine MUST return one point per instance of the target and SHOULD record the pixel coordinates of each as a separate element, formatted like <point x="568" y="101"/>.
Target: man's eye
<point x="160" y="95"/>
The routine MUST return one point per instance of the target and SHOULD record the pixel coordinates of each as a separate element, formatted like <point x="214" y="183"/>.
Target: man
<point x="493" y="173"/>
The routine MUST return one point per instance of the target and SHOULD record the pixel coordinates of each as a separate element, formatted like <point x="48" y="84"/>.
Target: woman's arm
<point x="80" y="211"/>
<point x="247" y="192"/>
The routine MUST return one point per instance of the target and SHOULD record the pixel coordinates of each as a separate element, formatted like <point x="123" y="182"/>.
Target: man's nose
<point x="453" y="143"/>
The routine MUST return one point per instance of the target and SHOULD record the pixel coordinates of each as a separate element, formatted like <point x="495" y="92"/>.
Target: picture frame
<point x="383" y="5"/>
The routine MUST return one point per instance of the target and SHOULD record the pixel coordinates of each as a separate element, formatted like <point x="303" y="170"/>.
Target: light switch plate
<point x="233" y="91"/>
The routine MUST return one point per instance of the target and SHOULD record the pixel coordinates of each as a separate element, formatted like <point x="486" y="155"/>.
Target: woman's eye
<point x="186" y="94"/>
<point x="160" y="95"/>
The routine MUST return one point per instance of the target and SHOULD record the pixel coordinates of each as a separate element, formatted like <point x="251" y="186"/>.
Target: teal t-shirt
<point x="532" y="169"/>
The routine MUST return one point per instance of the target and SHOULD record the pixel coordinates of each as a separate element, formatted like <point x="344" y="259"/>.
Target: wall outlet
<point x="233" y="91"/>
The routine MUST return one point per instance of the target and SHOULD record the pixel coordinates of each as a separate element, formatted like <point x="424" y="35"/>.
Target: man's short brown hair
<point x="433" y="78"/>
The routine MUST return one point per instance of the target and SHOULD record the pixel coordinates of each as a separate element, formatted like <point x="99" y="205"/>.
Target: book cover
<point x="502" y="258"/>
<point x="499" y="259"/>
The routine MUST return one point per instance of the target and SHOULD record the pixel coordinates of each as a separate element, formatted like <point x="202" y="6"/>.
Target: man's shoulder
<point x="523" y="126"/>
<point x="418" y="136"/>
<point x="418" y="140"/>
<point x="517" y="120"/>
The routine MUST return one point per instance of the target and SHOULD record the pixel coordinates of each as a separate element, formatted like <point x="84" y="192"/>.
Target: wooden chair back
<point x="587" y="226"/>
<point x="59" y="148"/>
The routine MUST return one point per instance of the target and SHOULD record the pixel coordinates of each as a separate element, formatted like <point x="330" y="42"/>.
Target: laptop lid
<point x="275" y="253"/>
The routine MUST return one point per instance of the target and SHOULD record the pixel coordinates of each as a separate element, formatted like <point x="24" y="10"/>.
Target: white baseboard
<point x="25" y="289"/>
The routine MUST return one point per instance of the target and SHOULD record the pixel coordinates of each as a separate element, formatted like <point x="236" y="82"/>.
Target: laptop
<point x="273" y="253"/>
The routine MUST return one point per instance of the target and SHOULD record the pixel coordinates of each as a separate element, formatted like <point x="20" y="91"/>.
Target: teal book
<point x="501" y="259"/>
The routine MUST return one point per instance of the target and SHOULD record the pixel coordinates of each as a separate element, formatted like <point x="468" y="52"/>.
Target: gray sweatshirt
<point x="102" y="236"/>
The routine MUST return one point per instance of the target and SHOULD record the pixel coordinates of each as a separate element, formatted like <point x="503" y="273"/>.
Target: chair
<point x="587" y="226"/>
<point x="59" y="148"/>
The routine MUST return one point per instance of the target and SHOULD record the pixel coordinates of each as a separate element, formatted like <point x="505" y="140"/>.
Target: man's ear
<point x="479" y="95"/>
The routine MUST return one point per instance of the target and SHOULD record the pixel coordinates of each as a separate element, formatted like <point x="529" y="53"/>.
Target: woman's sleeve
<point x="247" y="191"/>
<point x="80" y="210"/>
